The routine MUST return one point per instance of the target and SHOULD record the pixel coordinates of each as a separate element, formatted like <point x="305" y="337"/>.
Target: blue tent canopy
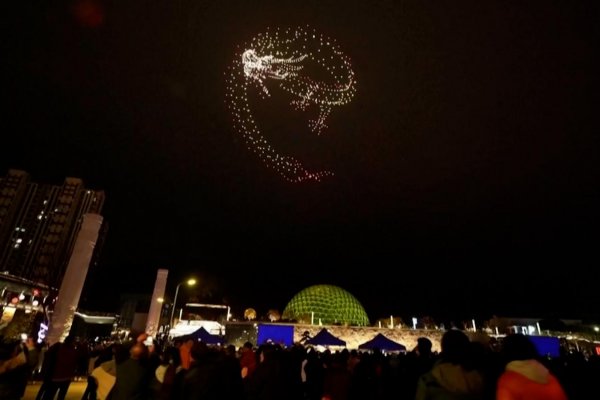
<point x="325" y="338"/>
<point x="204" y="336"/>
<point x="382" y="342"/>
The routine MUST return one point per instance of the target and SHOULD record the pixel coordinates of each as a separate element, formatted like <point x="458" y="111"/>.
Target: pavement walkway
<point x="75" y="392"/>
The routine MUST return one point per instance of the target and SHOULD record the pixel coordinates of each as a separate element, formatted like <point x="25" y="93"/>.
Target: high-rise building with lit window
<point x="39" y="224"/>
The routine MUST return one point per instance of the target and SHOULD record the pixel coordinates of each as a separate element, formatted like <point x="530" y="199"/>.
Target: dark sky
<point x="467" y="174"/>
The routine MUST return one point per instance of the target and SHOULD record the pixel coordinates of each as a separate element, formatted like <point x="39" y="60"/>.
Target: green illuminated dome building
<point x="330" y="304"/>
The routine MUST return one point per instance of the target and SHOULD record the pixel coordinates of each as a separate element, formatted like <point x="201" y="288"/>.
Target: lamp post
<point x="189" y="282"/>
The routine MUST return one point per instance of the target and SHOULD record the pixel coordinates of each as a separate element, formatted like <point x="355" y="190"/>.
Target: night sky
<point x="467" y="174"/>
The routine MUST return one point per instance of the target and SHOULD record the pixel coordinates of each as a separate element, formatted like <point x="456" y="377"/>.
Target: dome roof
<point x="330" y="304"/>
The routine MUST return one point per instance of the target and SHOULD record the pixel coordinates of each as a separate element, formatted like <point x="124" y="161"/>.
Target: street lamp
<point x="189" y="282"/>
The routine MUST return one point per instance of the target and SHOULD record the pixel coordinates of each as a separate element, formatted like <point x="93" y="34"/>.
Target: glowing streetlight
<point x="189" y="282"/>
<point x="160" y="300"/>
<point x="596" y="329"/>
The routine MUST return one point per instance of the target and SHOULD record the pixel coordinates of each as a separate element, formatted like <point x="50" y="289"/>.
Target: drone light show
<point x="302" y="62"/>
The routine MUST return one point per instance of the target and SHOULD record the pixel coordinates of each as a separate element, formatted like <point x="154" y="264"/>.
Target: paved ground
<point x="75" y="392"/>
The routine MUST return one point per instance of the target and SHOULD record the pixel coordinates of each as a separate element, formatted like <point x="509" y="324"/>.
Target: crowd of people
<point x="188" y="369"/>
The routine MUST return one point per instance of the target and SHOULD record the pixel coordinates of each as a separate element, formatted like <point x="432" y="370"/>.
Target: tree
<point x="21" y="323"/>
<point x="385" y="322"/>
<point x="250" y="314"/>
<point x="553" y="324"/>
<point x="398" y="321"/>
<point x="273" y="315"/>
<point x="428" y="322"/>
<point x="502" y="324"/>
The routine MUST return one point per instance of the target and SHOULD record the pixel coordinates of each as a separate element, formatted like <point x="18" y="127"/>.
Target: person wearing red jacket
<point x="524" y="376"/>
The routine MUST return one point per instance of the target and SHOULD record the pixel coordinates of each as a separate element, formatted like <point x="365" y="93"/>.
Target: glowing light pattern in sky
<point x="288" y="59"/>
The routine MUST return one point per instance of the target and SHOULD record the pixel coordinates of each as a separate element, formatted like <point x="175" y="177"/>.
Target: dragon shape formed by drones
<point x="281" y="56"/>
